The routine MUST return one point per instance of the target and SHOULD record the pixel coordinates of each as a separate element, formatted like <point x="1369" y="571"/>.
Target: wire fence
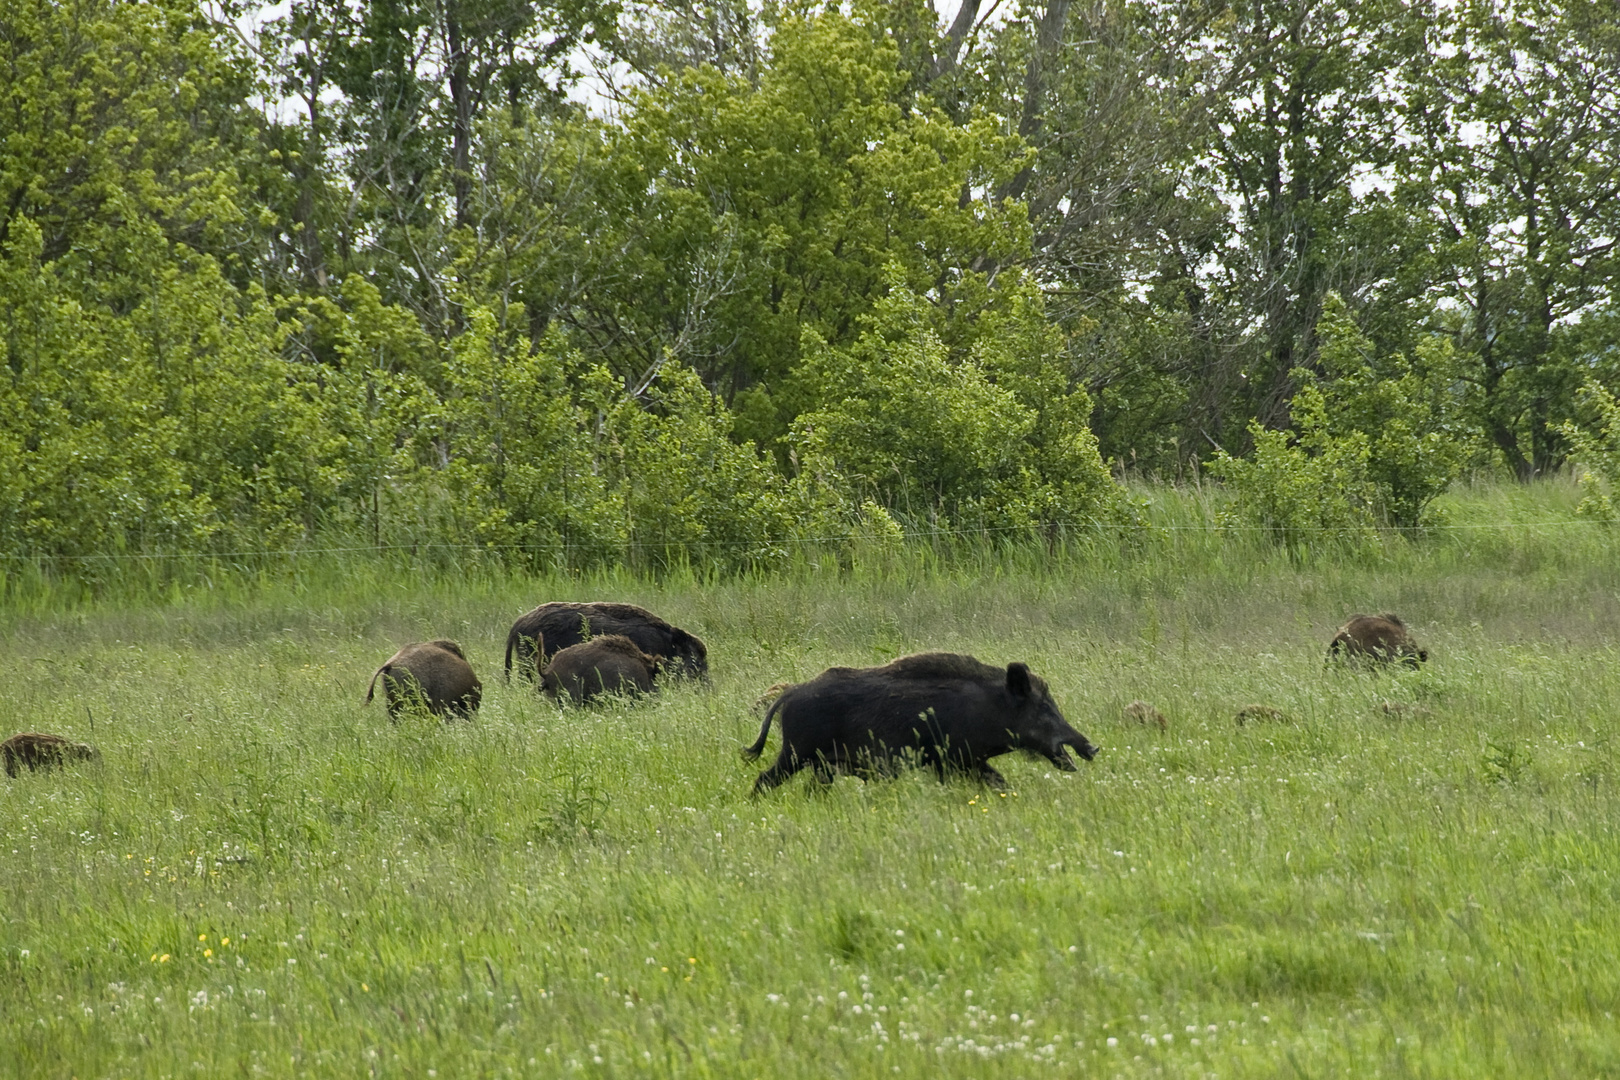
<point x="907" y="536"/>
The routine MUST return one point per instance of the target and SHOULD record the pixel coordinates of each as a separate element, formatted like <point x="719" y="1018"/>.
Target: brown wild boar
<point x="771" y="694"/>
<point x="1254" y="713"/>
<point x="550" y="628"/>
<point x="431" y="674"/>
<point x="1382" y="638"/>
<point x="1146" y="715"/>
<point x="37" y="750"/>
<point x="610" y="664"/>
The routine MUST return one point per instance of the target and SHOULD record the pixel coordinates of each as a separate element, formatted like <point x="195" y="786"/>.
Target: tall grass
<point x="1410" y="873"/>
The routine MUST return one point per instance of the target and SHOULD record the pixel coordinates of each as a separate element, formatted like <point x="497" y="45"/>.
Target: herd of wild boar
<point x="946" y="711"/>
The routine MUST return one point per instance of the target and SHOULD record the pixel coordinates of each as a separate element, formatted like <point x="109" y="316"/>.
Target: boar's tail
<point x="511" y="643"/>
<point x="371" y="689"/>
<point x="749" y="753"/>
<point x="513" y="639"/>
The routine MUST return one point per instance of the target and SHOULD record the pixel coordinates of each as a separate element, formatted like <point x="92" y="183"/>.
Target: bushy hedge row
<point x="196" y="422"/>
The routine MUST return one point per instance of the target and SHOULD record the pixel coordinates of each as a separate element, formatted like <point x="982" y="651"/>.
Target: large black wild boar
<point x="37" y="750"/>
<point x="432" y="673"/>
<point x="941" y="709"/>
<point x="1380" y="637"/>
<point x="550" y="628"/>
<point x="610" y="664"/>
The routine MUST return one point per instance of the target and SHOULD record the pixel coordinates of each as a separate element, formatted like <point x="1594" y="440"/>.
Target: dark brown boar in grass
<point x="943" y="710"/>
<point x="610" y="664"/>
<point x="429" y="674"/>
<point x="550" y="628"/>
<point x="37" y="750"/>
<point x="1382" y="638"/>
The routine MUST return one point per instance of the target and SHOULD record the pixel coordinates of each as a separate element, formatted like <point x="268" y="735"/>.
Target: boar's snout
<point x="1059" y="754"/>
<point x="1083" y="746"/>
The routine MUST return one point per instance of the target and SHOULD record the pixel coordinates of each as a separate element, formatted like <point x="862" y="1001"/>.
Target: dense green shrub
<point x="992" y="438"/>
<point x="528" y="450"/>
<point x="1375" y="440"/>
<point x="197" y="423"/>
<point x="1412" y="413"/>
<point x="1303" y="488"/>
<point x="173" y="426"/>
<point x="1595" y="449"/>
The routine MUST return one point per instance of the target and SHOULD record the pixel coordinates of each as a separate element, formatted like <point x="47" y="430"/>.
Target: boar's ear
<point x="1018" y="679"/>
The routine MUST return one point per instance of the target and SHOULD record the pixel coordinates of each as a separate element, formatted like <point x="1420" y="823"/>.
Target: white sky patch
<point x="249" y="26"/>
<point x="251" y="21"/>
<point x="595" y="89"/>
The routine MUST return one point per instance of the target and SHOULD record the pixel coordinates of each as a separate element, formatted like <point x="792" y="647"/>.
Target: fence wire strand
<point x="907" y="536"/>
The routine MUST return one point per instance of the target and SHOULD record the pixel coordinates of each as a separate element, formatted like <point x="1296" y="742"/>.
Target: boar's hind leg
<point x="991" y="777"/>
<point x="789" y="763"/>
<point x="776" y="774"/>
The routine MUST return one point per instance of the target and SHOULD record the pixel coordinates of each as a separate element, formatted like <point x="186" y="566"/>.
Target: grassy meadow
<point x="1410" y="874"/>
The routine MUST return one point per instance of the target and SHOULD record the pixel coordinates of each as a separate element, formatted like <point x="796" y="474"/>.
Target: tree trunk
<point x="1048" y="39"/>
<point x="1500" y="427"/>
<point x="950" y="50"/>
<point x="462" y="107"/>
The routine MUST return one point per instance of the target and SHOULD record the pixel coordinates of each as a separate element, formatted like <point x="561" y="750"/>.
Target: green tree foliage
<point x="374" y="162"/>
<point x="1124" y="214"/>
<point x="146" y="403"/>
<point x="1298" y="113"/>
<point x="173" y="426"/>
<point x="367" y="272"/>
<point x="1512" y="111"/>
<point x="737" y="213"/>
<point x="115" y="116"/>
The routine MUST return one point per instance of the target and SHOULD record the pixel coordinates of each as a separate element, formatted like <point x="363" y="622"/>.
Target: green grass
<point x="1424" y="889"/>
